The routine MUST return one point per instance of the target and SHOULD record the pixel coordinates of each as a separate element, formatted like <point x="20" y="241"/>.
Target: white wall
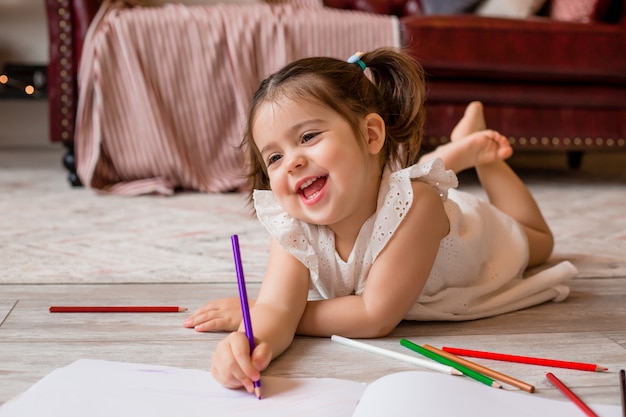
<point x="23" y="39"/>
<point x="23" y="31"/>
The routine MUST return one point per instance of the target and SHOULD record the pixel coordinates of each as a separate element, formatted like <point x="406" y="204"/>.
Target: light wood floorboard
<point x="589" y="326"/>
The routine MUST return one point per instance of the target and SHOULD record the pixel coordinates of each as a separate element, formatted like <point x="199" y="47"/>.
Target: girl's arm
<point x="275" y="317"/>
<point x="395" y="280"/>
<point x="281" y="300"/>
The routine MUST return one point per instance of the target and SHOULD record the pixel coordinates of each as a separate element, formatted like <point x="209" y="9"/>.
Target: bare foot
<point x="479" y="148"/>
<point x="473" y="120"/>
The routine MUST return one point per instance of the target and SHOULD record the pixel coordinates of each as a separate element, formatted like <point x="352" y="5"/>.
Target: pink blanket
<point x="164" y="91"/>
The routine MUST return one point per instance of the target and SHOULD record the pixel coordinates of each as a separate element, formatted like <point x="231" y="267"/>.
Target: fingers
<point x="212" y="321"/>
<point x="233" y="366"/>
<point x="218" y="324"/>
<point x="218" y="315"/>
<point x="262" y="356"/>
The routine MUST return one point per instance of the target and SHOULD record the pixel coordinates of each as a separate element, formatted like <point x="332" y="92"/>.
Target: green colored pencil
<point x="466" y="371"/>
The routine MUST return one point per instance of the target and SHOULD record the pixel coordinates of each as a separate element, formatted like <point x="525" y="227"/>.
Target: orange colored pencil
<point x="483" y="370"/>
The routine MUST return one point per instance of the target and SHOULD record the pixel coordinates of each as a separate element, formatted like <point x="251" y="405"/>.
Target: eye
<point x="309" y="136"/>
<point x="273" y="158"/>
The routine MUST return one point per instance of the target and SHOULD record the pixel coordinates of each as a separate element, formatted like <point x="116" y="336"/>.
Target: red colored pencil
<point x="569" y="394"/>
<point x="116" y="309"/>
<point x="525" y="359"/>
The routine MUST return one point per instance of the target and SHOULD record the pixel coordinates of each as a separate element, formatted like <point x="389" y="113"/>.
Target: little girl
<point x="360" y="237"/>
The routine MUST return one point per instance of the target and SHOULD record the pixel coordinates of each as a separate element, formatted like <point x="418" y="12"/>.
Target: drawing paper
<point x="98" y="388"/>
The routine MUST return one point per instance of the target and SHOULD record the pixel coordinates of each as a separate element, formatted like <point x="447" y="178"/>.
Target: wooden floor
<point x="590" y="326"/>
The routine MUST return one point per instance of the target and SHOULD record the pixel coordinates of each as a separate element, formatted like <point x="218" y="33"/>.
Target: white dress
<point x="479" y="268"/>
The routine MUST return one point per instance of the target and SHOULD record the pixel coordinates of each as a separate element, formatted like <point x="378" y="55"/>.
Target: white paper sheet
<point x="433" y="394"/>
<point x="96" y="388"/>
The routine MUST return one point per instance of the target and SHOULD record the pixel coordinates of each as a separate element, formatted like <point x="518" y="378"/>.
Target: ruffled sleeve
<point x="293" y="235"/>
<point x="435" y="174"/>
<point x="396" y="197"/>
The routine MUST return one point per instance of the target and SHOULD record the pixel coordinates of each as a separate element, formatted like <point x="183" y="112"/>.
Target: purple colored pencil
<point x="243" y="299"/>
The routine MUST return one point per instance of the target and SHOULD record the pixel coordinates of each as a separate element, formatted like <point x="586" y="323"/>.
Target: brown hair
<point x="395" y="90"/>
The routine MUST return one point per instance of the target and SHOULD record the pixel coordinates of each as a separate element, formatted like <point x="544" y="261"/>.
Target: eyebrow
<point x="291" y="130"/>
<point x="265" y="149"/>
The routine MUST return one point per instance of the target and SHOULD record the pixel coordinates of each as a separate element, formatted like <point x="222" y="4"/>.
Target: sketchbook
<point x="98" y="388"/>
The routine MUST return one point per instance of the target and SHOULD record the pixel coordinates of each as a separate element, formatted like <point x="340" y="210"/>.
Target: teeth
<point x="307" y="183"/>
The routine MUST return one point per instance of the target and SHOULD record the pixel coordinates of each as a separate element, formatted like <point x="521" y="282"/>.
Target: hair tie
<point x="356" y="59"/>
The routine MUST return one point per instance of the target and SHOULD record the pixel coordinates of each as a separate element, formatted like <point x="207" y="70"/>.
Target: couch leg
<point x="574" y="159"/>
<point x="69" y="162"/>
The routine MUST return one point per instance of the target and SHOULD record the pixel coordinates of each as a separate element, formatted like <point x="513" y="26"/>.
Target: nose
<point x="295" y="161"/>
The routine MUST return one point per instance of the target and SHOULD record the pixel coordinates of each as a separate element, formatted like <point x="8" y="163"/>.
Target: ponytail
<point x="400" y="80"/>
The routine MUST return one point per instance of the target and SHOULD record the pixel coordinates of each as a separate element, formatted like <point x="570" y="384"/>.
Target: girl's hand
<point x="217" y="315"/>
<point x="234" y="367"/>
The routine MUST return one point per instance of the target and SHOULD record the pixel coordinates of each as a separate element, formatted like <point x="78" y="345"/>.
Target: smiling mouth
<point x="312" y="187"/>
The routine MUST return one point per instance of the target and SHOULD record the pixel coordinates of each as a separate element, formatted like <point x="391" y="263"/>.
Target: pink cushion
<point x="582" y="11"/>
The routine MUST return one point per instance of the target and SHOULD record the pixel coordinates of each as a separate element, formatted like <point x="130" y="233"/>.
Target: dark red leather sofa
<point x="548" y="85"/>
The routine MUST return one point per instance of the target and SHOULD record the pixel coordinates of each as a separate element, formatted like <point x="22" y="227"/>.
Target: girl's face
<point x="317" y="170"/>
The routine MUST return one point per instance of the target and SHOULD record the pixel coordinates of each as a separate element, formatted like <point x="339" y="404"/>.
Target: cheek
<point x="283" y="194"/>
<point x="347" y="160"/>
<point x="278" y="183"/>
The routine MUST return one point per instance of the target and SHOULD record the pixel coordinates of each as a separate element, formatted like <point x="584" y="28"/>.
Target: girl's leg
<point x="485" y="150"/>
<point x="473" y="120"/>
<point x="507" y="192"/>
